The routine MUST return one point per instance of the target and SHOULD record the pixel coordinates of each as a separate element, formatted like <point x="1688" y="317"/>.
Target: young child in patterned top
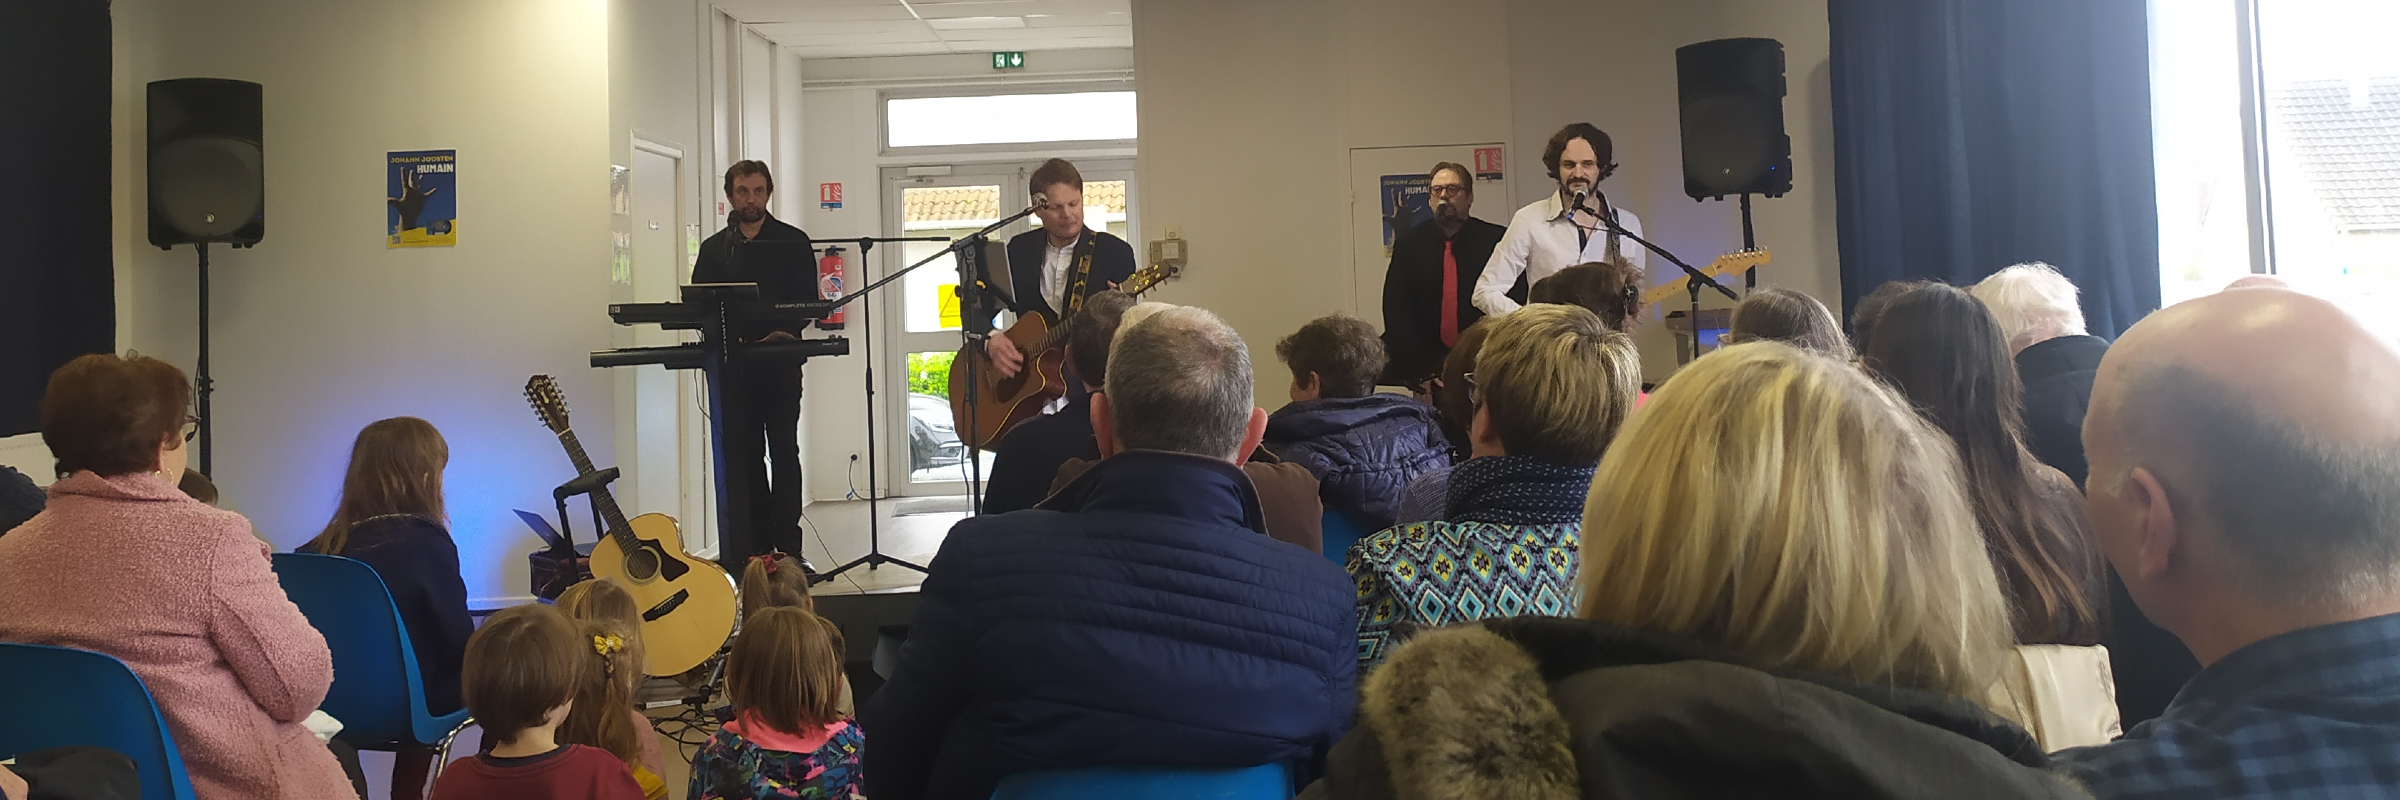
<point x="788" y="740"/>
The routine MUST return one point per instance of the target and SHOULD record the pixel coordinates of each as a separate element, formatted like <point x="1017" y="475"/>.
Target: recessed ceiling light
<point x="975" y="23"/>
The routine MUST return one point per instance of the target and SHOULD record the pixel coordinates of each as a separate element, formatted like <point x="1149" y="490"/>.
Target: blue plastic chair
<point x="58" y="696"/>
<point x="1266" y="782"/>
<point x="378" y="694"/>
<point x="1343" y="529"/>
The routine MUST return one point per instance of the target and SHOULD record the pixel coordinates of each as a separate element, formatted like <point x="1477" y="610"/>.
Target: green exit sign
<point x="1014" y="60"/>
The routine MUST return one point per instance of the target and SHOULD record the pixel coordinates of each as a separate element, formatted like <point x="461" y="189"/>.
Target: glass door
<point x="923" y="316"/>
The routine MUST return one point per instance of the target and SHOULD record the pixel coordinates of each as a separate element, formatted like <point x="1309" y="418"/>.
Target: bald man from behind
<point x="2245" y="457"/>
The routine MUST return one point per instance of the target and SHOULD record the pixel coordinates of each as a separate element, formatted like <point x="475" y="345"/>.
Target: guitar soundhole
<point x="641" y="565"/>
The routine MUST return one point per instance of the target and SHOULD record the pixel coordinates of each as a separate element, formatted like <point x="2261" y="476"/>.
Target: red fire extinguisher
<point x="829" y="286"/>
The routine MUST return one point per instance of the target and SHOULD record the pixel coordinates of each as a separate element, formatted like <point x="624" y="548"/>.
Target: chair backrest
<point x="372" y="660"/>
<point x="1342" y="529"/>
<point x="1264" y="782"/>
<point x="58" y="696"/>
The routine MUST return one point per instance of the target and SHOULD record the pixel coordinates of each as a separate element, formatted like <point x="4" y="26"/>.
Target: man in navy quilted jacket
<point x="1364" y="447"/>
<point x="1138" y="617"/>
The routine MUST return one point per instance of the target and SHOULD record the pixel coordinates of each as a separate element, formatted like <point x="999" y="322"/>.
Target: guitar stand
<point x="583" y="485"/>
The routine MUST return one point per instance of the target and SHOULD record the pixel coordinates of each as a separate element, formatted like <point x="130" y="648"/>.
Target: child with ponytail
<point x="604" y="715"/>
<point x="787" y="739"/>
<point x="774" y="581"/>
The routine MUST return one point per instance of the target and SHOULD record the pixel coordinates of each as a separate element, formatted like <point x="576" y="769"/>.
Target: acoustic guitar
<point x="687" y="603"/>
<point x="1001" y="403"/>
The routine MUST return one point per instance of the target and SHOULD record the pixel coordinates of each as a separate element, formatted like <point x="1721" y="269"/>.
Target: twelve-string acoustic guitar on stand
<point x="1001" y="403"/>
<point x="687" y="602"/>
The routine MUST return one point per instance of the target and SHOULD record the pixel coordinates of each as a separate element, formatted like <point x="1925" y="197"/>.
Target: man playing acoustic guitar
<point x="1052" y="270"/>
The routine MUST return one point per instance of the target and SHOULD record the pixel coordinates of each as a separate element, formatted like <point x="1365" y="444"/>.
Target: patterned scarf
<point x="1517" y="490"/>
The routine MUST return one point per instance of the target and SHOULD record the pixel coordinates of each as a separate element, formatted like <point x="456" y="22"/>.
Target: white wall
<point x="321" y="330"/>
<point x="1247" y="155"/>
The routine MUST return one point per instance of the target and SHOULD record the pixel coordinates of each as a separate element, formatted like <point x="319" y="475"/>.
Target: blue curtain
<point x="1974" y="134"/>
<point x="57" y="290"/>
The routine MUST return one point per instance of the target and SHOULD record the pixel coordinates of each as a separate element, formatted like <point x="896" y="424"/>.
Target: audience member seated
<point x="1611" y="289"/>
<point x="20" y="498"/>
<point x="522" y="669"/>
<point x="390" y="516"/>
<point x="773" y="580"/>
<point x="2043" y="322"/>
<point x="1946" y="355"/>
<point x="1140" y="616"/>
<point x="1784" y="595"/>
<point x="1551" y="387"/>
<point x="1363" y="447"/>
<point x="604" y="715"/>
<point x="2245" y="457"/>
<point x="198" y="486"/>
<point x="123" y="563"/>
<point x="1030" y="455"/>
<point x="1782" y="315"/>
<point x="788" y="738"/>
<point x="1862" y="316"/>
<point x="2038" y="311"/>
<point x="1286" y="491"/>
<point x="1428" y="495"/>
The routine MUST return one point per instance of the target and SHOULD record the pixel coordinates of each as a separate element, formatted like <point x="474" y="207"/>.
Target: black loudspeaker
<point x="1731" y="92"/>
<point x="207" y="168"/>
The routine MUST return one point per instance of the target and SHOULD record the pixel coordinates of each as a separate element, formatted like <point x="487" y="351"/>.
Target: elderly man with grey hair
<point x="2246" y="483"/>
<point x="2038" y="312"/>
<point x="1140" y="616"/>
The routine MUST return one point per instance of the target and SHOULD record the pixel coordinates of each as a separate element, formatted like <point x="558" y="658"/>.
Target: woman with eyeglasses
<point x="123" y="563"/>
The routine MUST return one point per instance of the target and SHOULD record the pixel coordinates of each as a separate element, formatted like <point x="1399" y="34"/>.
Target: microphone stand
<point x="971" y="290"/>
<point x="1693" y="277"/>
<point x="866" y="244"/>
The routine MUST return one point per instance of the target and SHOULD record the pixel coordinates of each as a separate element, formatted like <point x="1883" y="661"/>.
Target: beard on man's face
<point x="749" y="215"/>
<point x="1448" y="212"/>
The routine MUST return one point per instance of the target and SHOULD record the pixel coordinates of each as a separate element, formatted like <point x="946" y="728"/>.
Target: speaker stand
<point x="1749" y="242"/>
<point x="202" y="384"/>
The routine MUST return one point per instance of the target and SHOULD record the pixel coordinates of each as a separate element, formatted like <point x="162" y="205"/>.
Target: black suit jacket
<point x="1112" y="262"/>
<point x="1412" y="295"/>
<point x="2058" y="390"/>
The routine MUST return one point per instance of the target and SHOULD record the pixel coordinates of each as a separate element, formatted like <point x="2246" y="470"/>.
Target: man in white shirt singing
<point x="1556" y="232"/>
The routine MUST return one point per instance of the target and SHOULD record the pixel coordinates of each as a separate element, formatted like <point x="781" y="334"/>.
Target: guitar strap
<point x="1083" y="274"/>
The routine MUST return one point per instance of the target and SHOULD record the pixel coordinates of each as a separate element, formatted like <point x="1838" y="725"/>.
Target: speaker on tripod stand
<point x="207" y="179"/>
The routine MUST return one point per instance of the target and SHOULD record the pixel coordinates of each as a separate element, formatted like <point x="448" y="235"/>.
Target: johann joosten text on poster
<point x="421" y="198"/>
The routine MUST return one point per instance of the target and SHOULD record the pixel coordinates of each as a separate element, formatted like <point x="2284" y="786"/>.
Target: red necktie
<point x="1449" y="296"/>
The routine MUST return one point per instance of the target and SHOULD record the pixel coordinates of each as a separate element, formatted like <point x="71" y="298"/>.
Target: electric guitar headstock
<point x="549" y="403"/>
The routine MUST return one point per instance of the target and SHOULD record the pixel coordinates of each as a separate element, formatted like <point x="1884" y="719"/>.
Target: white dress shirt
<point x="1541" y="240"/>
<point x="1055" y="263"/>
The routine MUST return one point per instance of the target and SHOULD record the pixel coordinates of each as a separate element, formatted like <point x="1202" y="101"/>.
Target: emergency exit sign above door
<point x="1011" y="60"/>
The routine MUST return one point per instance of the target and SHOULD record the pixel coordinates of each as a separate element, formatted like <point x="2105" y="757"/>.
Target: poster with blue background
<point x="1407" y="201"/>
<point x="420" y="197"/>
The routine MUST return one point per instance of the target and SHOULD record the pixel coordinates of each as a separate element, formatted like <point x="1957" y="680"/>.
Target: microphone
<point x="1040" y="201"/>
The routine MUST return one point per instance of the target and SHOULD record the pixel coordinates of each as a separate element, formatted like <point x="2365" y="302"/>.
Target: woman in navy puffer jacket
<point x="1363" y="447"/>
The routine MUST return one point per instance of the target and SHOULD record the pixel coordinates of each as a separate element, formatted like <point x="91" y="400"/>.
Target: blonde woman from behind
<point x="1780" y="580"/>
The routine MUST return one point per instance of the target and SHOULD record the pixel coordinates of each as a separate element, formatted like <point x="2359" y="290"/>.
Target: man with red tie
<point x="1428" y="289"/>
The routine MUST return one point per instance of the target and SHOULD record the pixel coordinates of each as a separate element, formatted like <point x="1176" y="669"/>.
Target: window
<point x="1008" y="119"/>
<point x="2277" y="126"/>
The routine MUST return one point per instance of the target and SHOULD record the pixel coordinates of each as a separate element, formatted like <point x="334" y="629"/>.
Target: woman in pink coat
<point x="124" y="563"/>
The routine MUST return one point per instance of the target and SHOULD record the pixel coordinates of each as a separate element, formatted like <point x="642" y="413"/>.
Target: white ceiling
<point x="860" y="28"/>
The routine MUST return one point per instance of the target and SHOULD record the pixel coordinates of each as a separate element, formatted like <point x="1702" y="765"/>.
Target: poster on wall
<point x="421" y="198"/>
<point x="1407" y="201"/>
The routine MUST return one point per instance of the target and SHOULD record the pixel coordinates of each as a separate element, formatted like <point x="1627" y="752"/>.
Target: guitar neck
<point x="601" y="498"/>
